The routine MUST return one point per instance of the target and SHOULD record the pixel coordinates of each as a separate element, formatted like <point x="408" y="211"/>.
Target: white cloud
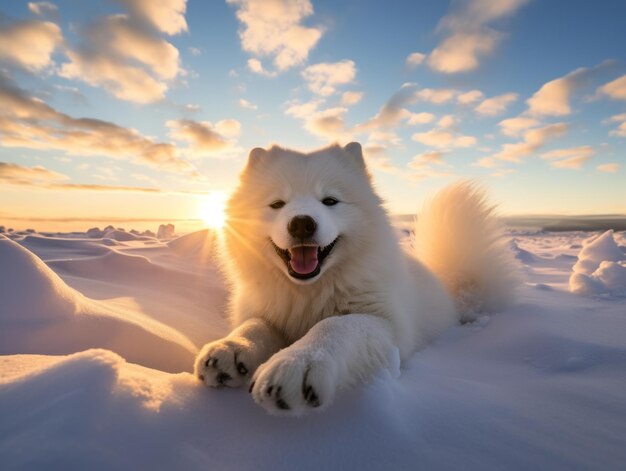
<point x="376" y="157"/>
<point x="513" y="127"/>
<point x="274" y="29"/>
<point x="392" y="112"/>
<point x="620" y="131"/>
<point x="167" y="16"/>
<point x="553" y="98"/>
<point x="124" y="39"/>
<point x="470" y="97"/>
<point x="256" y="66"/>
<point x="329" y="124"/>
<point x="503" y="172"/>
<point x="246" y="104"/>
<point x="459" y="52"/>
<point x="425" y="159"/>
<point x="16" y="174"/>
<point x="29" y="44"/>
<point x="27" y="122"/>
<point x="384" y="137"/>
<point x="45" y="9"/>
<point x="425" y="172"/>
<point x="420" y="118"/>
<point x="608" y="168"/>
<point x="572" y="163"/>
<point x="228" y="127"/>
<point x="129" y="62"/>
<point x="395" y="110"/>
<point x="486" y="162"/>
<point x="534" y="140"/>
<point x="447" y="121"/>
<point x="615" y="89"/>
<point x="45" y="179"/>
<point x="301" y="110"/>
<point x="618" y="118"/>
<point x="571" y="158"/>
<point x="468" y="35"/>
<point x="444" y="136"/>
<point x="202" y="137"/>
<point x="496" y="105"/>
<point x="376" y="150"/>
<point x="323" y="78"/>
<point x="442" y="139"/>
<point x="414" y="59"/>
<point x="436" y="96"/>
<point x="123" y="81"/>
<point x="582" y="151"/>
<point x="351" y="98"/>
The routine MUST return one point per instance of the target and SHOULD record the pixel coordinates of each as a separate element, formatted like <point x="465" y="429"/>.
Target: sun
<point x="212" y="210"/>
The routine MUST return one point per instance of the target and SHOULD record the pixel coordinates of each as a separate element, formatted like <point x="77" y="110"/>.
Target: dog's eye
<point x="330" y="201"/>
<point x="277" y="204"/>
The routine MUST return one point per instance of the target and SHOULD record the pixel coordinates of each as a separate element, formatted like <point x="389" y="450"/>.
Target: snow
<point x="40" y="313"/>
<point x="601" y="267"/>
<point x="97" y="341"/>
<point x="166" y="231"/>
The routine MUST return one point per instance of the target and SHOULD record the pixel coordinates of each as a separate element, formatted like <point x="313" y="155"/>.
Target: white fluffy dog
<point x="322" y="292"/>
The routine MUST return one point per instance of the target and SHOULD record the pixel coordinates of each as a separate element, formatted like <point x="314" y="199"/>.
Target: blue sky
<point x="528" y="97"/>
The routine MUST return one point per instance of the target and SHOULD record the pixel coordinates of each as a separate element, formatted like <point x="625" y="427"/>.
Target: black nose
<point x="302" y="227"/>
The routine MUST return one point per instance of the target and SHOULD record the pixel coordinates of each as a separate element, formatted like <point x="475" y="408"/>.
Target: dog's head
<point x="300" y="213"/>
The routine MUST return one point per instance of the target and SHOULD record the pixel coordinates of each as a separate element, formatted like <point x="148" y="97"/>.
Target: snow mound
<point x="29" y="290"/>
<point x="601" y="267"/>
<point x="565" y="257"/>
<point x="524" y="256"/>
<point x="110" y="242"/>
<point x="94" y="233"/>
<point x="53" y="247"/>
<point x="119" y="235"/>
<point x="112" y="263"/>
<point x="125" y="268"/>
<point x="39" y="313"/>
<point x="200" y="244"/>
<point x="595" y="250"/>
<point x="166" y="231"/>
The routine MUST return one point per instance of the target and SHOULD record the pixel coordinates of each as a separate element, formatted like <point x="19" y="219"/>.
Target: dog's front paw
<point x="293" y="382"/>
<point x="227" y="362"/>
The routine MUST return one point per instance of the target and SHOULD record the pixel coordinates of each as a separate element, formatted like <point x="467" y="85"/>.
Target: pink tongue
<point x="303" y="259"/>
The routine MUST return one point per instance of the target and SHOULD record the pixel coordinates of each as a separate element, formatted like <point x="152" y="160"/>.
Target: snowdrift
<point x="601" y="267"/>
<point x="39" y="313"/>
<point x="97" y="343"/>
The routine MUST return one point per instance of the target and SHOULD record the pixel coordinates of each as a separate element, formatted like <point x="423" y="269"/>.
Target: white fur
<point x="458" y="237"/>
<point x="370" y="296"/>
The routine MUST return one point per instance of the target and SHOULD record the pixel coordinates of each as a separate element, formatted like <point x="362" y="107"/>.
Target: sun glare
<point x="212" y="210"/>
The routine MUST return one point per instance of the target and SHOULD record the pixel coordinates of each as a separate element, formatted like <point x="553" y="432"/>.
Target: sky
<point x="140" y="110"/>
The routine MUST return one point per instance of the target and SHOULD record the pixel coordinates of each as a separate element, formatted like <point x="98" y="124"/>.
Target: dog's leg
<point x="337" y="352"/>
<point x="231" y="361"/>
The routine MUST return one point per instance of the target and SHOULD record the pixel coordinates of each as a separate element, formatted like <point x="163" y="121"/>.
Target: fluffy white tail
<point x="458" y="237"/>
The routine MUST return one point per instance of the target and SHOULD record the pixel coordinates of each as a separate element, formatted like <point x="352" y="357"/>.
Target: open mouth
<point x="304" y="261"/>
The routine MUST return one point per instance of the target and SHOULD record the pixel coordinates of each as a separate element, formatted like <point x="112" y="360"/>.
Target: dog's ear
<point x="256" y="156"/>
<point x="355" y="151"/>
